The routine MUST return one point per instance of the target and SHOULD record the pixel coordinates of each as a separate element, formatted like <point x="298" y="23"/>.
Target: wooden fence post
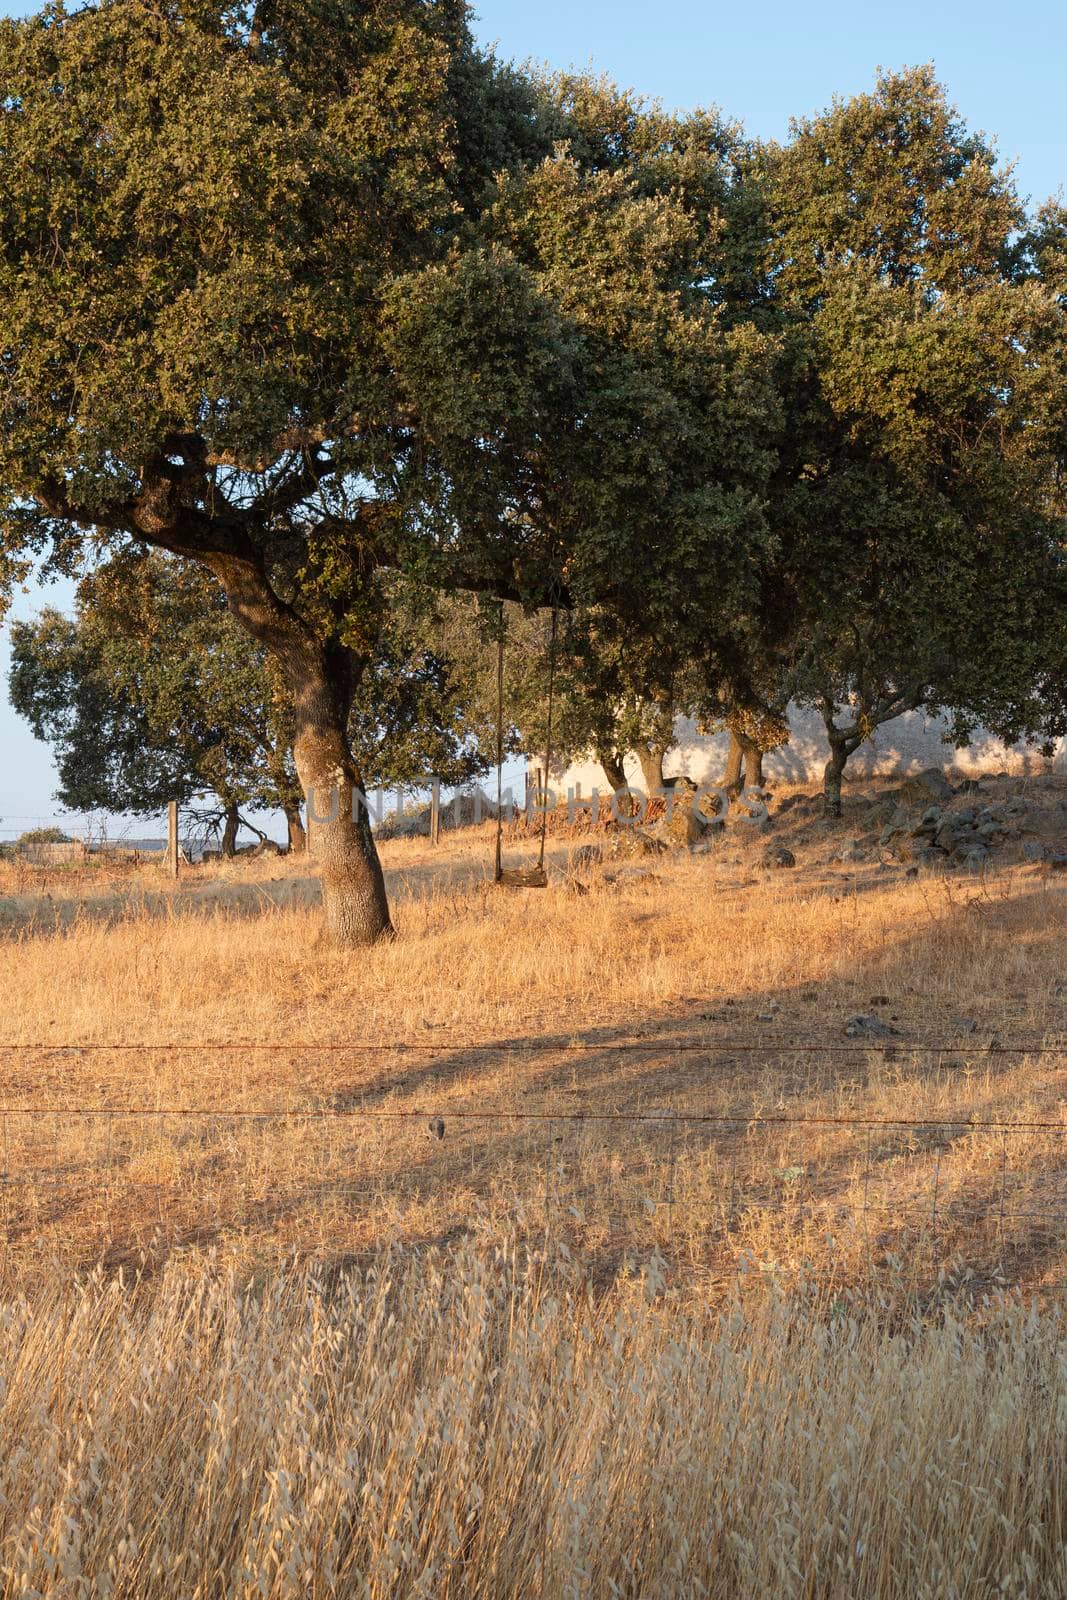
<point x="172" y="839"/>
<point x="435" y="813"/>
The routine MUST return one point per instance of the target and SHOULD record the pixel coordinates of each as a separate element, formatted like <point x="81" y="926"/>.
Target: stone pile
<point x="946" y="834"/>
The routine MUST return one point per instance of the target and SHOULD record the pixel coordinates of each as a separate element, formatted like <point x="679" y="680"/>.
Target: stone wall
<point x="906" y="745"/>
<point x="52" y="855"/>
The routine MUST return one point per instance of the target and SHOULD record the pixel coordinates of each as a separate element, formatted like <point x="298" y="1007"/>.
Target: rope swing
<point x="522" y="877"/>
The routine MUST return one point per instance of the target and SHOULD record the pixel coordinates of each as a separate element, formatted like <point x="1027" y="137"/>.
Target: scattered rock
<point x="437" y="1127"/>
<point x="633" y="875"/>
<point x="779" y="857"/>
<point x="1033" y="850"/>
<point x="932" y="819"/>
<point x="865" y="1027"/>
<point x="635" y="842"/>
<point x="926" y="786"/>
<point x="1057" y="862"/>
<point x="587" y="855"/>
<point x="880" y="813"/>
<point x="684" y="827"/>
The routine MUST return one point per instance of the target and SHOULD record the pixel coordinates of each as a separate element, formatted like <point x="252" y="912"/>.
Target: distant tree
<point x="425" y="709"/>
<point x="151" y="693"/>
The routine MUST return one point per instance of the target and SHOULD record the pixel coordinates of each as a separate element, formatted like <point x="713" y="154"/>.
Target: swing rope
<point x="498" y="876"/>
<point x="522" y="878"/>
<point x="548" y="732"/>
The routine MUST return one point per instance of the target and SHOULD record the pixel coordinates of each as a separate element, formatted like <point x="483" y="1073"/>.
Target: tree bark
<point x="298" y="841"/>
<point x="614" y="770"/>
<point x="833" y="774"/>
<point x="230" y="828"/>
<point x="651" y="759"/>
<point x="338" y="825"/>
<point x="321" y="682"/>
<point x="753" y="765"/>
<point x="732" y="777"/>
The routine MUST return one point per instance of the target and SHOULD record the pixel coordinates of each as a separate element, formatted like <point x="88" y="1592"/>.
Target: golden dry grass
<point x="511" y="1017"/>
<point x="468" y="1427"/>
<point x="262" y="1334"/>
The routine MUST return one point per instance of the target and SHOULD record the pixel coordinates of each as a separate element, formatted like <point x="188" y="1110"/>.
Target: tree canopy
<point x="317" y="295"/>
<point x="328" y="302"/>
<point x="919" y="496"/>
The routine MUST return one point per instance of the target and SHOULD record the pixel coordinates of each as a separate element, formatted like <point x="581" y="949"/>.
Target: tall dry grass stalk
<point x="463" y="1425"/>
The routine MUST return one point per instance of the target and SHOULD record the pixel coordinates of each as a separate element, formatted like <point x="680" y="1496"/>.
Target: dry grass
<point x="470" y="1426"/>
<point x="289" y="1345"/>
<point x="493" y="1003"/>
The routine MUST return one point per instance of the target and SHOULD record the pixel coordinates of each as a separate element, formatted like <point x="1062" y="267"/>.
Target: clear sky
<point x="1003" y="66"/>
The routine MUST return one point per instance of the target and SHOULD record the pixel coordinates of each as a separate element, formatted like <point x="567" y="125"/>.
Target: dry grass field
<point x="569" y="1042"/>
<point x="687" y="1293"/>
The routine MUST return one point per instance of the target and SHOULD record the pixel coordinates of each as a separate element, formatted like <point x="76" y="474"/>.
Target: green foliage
<point x="150" y="693"/>
<point x="329" y="302"/>
<point x="921" y="511"/>
<point x="44" y="836"/>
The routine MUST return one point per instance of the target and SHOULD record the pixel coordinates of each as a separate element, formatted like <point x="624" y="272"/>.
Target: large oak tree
<point x="316" y="294"/>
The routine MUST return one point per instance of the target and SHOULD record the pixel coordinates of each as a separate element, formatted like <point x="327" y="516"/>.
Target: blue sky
<point x="1003" y="66"/>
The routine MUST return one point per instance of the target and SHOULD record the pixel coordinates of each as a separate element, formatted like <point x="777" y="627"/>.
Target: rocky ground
<point x="925" y="824"/>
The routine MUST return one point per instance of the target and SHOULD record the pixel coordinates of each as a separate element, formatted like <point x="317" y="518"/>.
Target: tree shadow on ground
<point x="696" y="1131"/>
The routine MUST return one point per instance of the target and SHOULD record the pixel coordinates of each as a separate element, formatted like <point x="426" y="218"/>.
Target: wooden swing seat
<point x="522" y="878"/>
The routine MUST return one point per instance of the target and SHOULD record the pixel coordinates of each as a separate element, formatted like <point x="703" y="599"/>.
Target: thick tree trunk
<point x="651" y="759"/>
<point x="298" y="839"/>
<point x="230" y="829"/>
<point x="339" y="830"/>
<point x="832" y="776"/>
<point x="614" y="770"/>
<point x="320" y="680"/>
<point x="753" y="765"/>
<point x="732" y="777"/>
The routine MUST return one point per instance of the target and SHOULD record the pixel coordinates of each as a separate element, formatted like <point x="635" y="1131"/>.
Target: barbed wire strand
<point x="378" y="1114"/>
<point x="559" y="1045"/>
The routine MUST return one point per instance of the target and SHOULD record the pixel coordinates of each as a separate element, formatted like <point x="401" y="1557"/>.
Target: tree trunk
<point x="753" y="765"/>
<point x="732" y="778"/>
<point x="298" y="839"/>
<point x="338" y="825"/>
<point x="651" y="758"/>
<point x="614" y="770"/>
<point x="832" y="776"/>
<point x="320" y="680"/>
<point x="230" y="829"/>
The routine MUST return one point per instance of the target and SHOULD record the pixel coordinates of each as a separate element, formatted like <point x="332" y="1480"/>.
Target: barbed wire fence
<point x="887" y="1181"/>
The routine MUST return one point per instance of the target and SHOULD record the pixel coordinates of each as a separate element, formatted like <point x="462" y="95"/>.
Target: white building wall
<point x="907" y="744"/>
